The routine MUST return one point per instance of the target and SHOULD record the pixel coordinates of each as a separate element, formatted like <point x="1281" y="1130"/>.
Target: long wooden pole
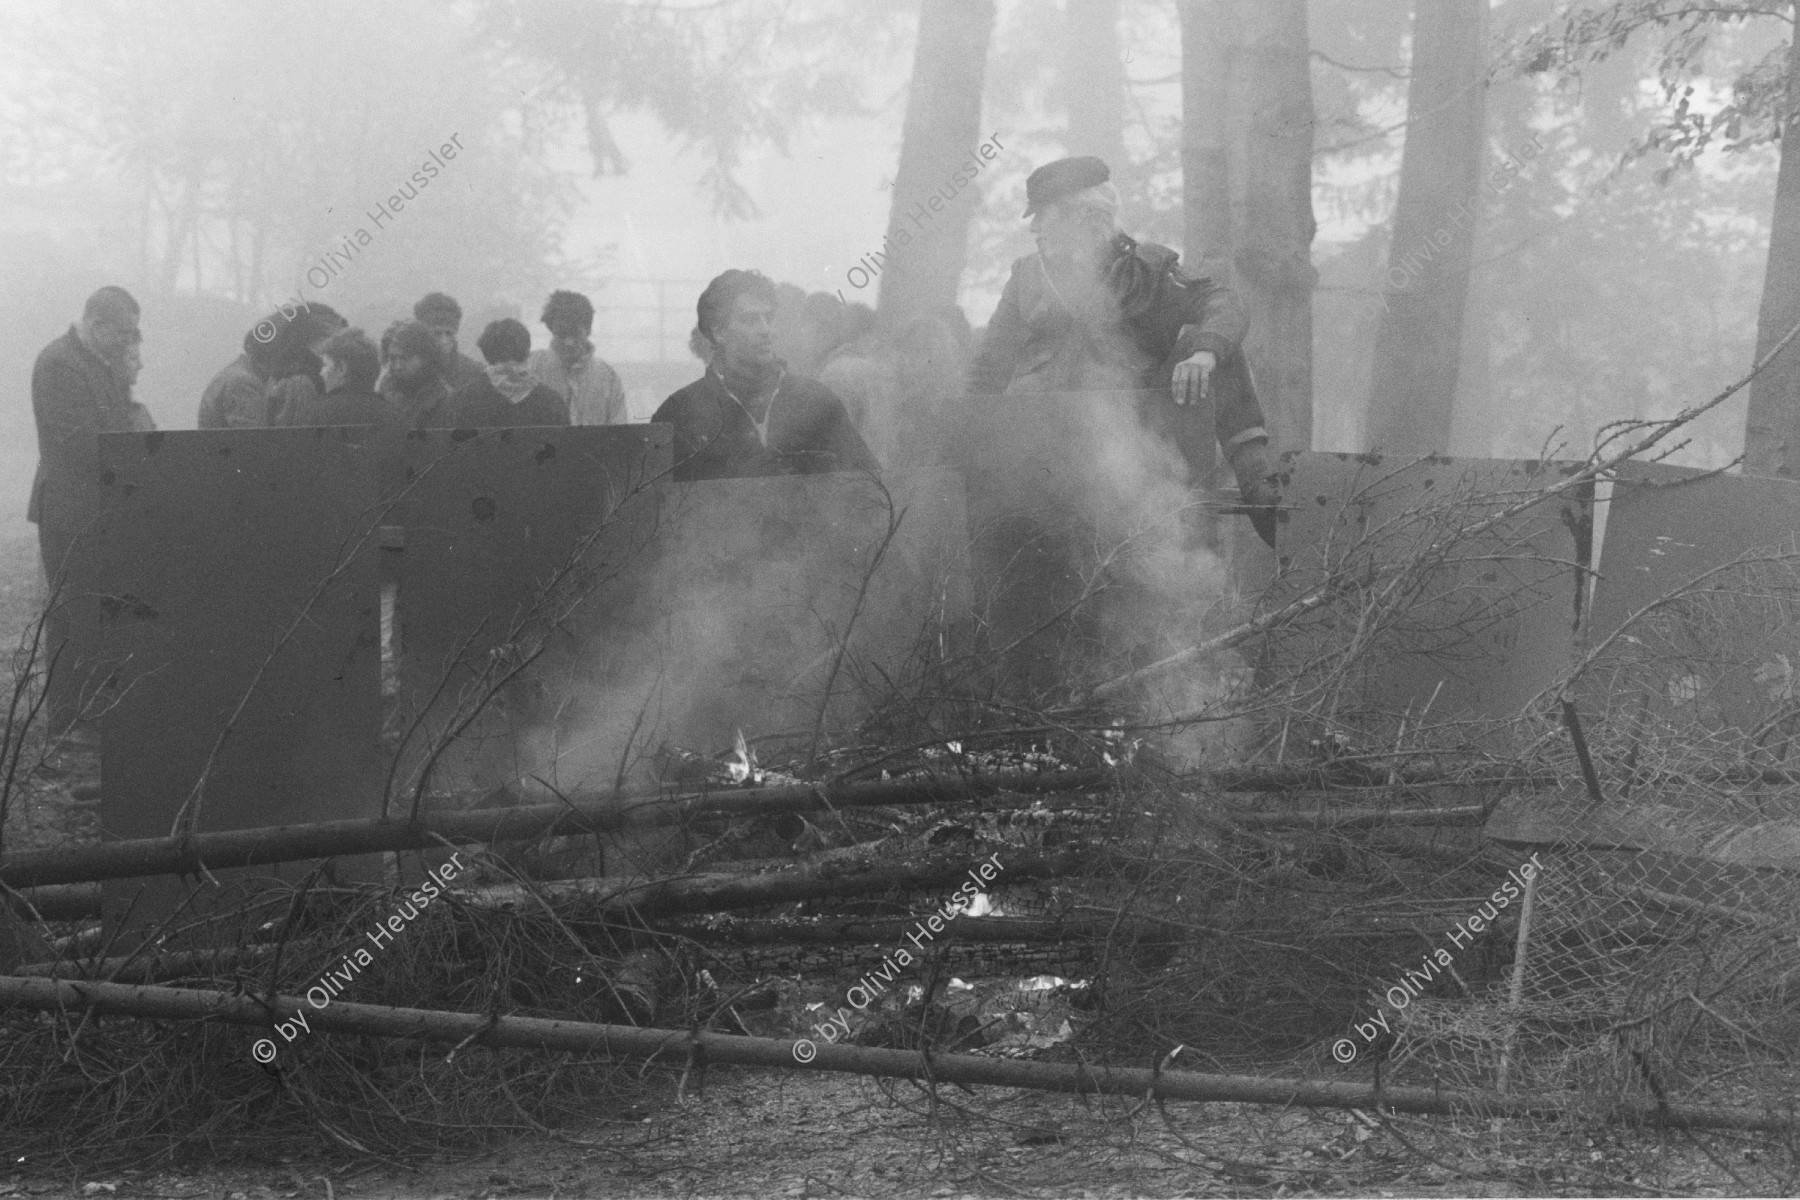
<point x="287" y="843"/>
<point x="681" y="1046"/>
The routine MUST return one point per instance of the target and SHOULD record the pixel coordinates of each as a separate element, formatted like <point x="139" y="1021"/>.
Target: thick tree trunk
<point x="679" y="1046"/>
<point x="1772" y="426"/>
<point x="1418" y="348"/>
<point x="1093" y="83"/>
<point x="1209" y="44"/>
<point x="1247" y="178"/>
<point x="935" y="197"/>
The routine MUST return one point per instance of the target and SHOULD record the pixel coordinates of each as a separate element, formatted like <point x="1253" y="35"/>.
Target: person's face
<point x="446" y="339"/>
<point x="334" y="374"/>
<point x="568" y="337"/>
<point x="132" y="362"/>
<point x="1065" y="234"/>
<point x="406" y="366"/>
<point x="747" y="338"/>
<point x="114" y="339"/>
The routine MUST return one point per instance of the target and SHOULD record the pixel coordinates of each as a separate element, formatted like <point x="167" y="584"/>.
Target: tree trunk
<point x="1209" y="43"/>
<point x="934" y="197"/>
<point x="1094" y="84"/>
<point x="1418" y="347"/>
<point x="1247" y="178"/>
<point x="1772" y="426"/>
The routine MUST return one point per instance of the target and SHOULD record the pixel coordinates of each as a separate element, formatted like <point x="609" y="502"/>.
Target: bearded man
<point x="1095" y="309"/>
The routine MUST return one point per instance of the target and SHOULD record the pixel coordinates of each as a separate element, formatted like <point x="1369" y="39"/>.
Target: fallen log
<point x="62" y="902"/>
<point x="288" y="843"/>
<point x="174" y="964"/>
<point x="684" y="1047"/>
<point x="1371" y="771"/>
<point x="659" y="897"/>
<point x="1351" y="818"/>
<point x="834" y="931"/>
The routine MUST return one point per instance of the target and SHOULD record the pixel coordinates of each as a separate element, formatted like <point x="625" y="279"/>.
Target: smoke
<point x="755" y="604"/>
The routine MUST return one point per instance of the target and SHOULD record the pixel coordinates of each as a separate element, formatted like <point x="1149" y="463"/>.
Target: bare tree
<point x="1418" y="348"/>
<point x="1247" y="167"/>
<point x="934" y="193"/>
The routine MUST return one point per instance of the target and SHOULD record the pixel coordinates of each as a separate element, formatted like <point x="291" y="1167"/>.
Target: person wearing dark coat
<point x="747" y="415"/>
<point x="508" y="395"/>
<point x="443" y="316"/>
<point x="297" y="374"/>
<point x="412" y="380"/>
<point x="245" y="395"/>
<point x="350" y="366"/>
<point x="80" y="388"/>
<point x="1096" y="310"/>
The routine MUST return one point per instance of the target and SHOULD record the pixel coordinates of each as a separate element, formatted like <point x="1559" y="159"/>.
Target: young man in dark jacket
<point x="351" y="367"/>
<point x="747" y="415"/>
<point x="509" y="394"/>
<point x="412" y="380"/>
<point x="1096" y="310"/>
<point x="443" y="316"/>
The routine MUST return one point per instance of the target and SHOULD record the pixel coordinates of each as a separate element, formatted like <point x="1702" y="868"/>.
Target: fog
<point x="211" y="157"/>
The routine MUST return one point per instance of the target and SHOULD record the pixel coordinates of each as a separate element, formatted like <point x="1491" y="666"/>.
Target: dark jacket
<point x="483" y="406"/>
<point x="342" y="407"/>
<point x="462" y="372"/>
<point x="237" y="397"/>
<point x="427" y="407"/>
<point x="809" y="432"/>
<point x="75" y="396"/>
<point x="1150" y="315"/>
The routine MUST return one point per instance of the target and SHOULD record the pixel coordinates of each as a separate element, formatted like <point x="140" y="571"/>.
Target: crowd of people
<point x="304" y="365"/>
<point x="790" y="383"/>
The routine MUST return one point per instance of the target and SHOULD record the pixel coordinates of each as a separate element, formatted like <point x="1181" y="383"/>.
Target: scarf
<point x="513" y="380"/>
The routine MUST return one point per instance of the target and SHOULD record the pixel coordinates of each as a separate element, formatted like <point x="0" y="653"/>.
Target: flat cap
<point x="1054" y="180"/>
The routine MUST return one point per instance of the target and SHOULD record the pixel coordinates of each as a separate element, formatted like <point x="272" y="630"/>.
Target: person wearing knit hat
<point x="441" y="314"/>
<point x="1095" y="309"/>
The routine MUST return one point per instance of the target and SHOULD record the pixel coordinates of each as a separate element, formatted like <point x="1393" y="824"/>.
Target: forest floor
<point x="801" y="1134"/>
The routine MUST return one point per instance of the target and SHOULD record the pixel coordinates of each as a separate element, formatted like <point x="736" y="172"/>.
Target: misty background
<point x="206" y="154"/>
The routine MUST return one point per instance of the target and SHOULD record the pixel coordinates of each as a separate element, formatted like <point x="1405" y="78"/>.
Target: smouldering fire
<point x="742" y="763"/>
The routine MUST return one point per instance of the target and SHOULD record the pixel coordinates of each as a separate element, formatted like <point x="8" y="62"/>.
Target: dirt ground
<point x="795" y="1134"/>
<point x="815" y="1135"/>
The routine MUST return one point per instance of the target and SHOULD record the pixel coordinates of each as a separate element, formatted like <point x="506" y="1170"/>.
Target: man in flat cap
<point x="1094" y="309"/>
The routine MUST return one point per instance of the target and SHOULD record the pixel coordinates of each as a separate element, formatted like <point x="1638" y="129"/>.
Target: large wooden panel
<point x="240" y="615"/>
<point x="500" y="532"/>
<point x="1488" y="624"/>
<point x="1723" y="656"/>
